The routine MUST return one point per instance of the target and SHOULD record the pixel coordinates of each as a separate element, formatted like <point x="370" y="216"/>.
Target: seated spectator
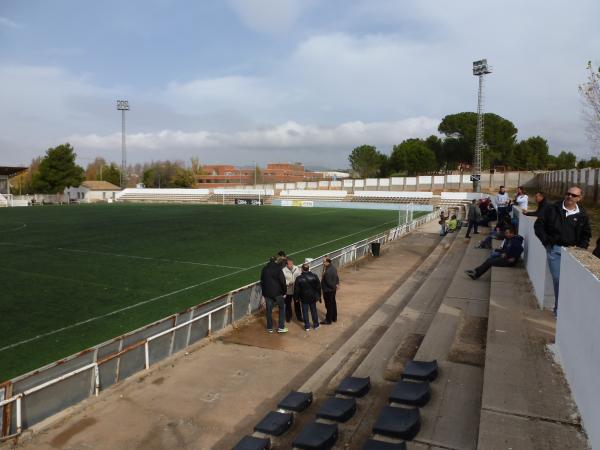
<point x="506" y="256"/>
<point x="540" y="200"/>
<point x="452" y="224"/>
<point x="490" y="215"/>
<point x="497" y="233"/>
<point x="596" y="251"/>
<point x="442" y="222"/>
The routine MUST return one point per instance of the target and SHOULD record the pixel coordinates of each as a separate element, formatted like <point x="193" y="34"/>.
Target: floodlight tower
<point x="480" y="69"/>
<point x="123" y="105"/>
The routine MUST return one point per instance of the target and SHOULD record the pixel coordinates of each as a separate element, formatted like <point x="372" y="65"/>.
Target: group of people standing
<point x="284" y="284"/>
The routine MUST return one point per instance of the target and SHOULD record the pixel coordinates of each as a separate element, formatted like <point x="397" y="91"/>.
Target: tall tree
<point x="590" y="92"/>
<point x="95" y="169"/>
<point x="58" y="170"/>
<point x="564" y="160"/>
<point x="366" y="161"/>
<point x="531" y="154"/>
<point x="112" y="174"/>
<point x="593" y="163"/>
<point x="500" y="137"/>
<point x="413" y="157"/>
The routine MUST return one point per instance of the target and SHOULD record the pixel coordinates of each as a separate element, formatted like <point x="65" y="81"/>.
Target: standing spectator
<point x="473" y="216"/>
<point x="330" y="284"/>
<point x="596" y="251"/>
<point x="442" y="222"/>
<point x="540" y="200"/>
<point x="502" y="203"/>
<point x="563" y="224"/>
<point x="505" y="256"/>
<point x="522" y="199"/>
<point x="291" y="272"/>
<point x="307" y="289"/>
<point x="272" y="283"/>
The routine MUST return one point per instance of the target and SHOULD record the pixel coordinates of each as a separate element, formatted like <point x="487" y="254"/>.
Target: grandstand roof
<point x="100" y="186"/>
<point x="11" y="171"/>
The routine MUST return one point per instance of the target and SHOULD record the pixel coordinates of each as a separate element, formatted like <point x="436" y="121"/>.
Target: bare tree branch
<point x="590" y="92"/>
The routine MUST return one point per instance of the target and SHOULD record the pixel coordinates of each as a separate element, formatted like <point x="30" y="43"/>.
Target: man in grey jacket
<point x="330" y="283"/>
<point x="473" y="216"/>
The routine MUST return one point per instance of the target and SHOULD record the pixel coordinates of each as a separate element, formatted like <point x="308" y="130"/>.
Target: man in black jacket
<point x="596" y="251"/>
<point x="563" y="224"/>
<point x="540" y="199"/>
<point x="307" y="289"/>
<point x="330" y="284"/>
<point x="272" y="283"/>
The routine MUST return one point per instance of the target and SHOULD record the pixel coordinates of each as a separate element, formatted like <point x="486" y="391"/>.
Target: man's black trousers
<point x="330" y="306"/>
<point x="492" y="262"/>
<point x="288" y="309"/>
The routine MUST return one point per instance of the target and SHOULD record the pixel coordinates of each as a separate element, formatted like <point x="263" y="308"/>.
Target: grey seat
<point x="421" y="370"/>
<point x="253" y="443"/>
<point x="317" y="436"/>
<point x="354" y="386"/>
<point x="411" y="393"/>
<point x="398" y="422"/>
<point x="337" y="409"/>
<point x="275" y="423"/>
<point x="296" y="401"/>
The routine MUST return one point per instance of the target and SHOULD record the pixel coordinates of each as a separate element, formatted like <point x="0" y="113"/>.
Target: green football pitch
<point x="68" y="272"/>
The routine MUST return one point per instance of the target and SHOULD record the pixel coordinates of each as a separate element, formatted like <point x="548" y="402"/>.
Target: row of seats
<point x="400" y="420"/>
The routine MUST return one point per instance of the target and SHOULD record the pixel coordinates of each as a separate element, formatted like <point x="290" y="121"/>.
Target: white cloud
<point x="5" y="22"/>
<point x="269" y="16"/>
<point x="319" y="145"/>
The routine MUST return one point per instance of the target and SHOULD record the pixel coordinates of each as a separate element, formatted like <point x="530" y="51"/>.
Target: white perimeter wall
<point x="578" y="339"/>
<point x="534" y="258"/>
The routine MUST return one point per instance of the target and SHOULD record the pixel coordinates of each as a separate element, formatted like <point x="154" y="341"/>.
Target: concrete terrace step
<point x="456" y="339"/>
<point x="526" y="401"/>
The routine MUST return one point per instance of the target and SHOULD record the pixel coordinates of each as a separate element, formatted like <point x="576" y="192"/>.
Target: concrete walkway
<point x="527" y="403"/>
<point x="210" y="396"/>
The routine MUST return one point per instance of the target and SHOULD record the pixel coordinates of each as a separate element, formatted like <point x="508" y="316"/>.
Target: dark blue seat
<point x="373" y="444"/>
<point x="296" y="401"/>
<point x="411" y="393"/>
<point x="420" y="370"/>
<point x="354" y="386"/>
<point x="275" y="423"/>
<point x="253" y="443"/>
<point x="337" y="409"/>
<point x="317" y="436"/>
<point x="400" y="423"/>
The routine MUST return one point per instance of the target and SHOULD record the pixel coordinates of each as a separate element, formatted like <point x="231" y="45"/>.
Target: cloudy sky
<point x="283" y="80"/>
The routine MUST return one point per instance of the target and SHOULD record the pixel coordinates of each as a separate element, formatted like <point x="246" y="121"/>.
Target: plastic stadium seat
<point x="354" y="387"/>
<point x="421" y="370"/>
<point x="317" y="436"/>
<point x="398" y="422"/>
<point x="373" y="444"/>
<point x="337" y="409"/>
<point x="411" y="393"/>
<point x="253" y="443"/>
<point x="275" y="423"/>
<point x="296" y="401"/>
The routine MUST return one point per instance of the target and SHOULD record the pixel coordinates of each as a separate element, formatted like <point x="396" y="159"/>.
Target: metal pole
<point x="124" y="152"/>
<point x="478" y="139"/>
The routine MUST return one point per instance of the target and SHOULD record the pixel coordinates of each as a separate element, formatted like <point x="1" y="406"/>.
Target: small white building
<point x="92" y="191"/>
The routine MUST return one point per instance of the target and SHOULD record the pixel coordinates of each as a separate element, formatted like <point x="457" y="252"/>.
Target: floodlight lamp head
<point x="122" y="105"/>
<point x="481" y="67"/>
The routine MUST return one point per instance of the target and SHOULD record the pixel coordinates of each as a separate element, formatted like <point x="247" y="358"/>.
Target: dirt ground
<point x="210" y="395"/>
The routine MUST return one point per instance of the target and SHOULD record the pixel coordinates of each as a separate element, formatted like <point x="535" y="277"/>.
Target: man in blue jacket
<point x="505" y="256"/>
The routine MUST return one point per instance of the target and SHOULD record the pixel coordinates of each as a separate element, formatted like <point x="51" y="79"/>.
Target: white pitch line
<point x="119" y="255"/>
<point x="23" y="225"/>
<point x="135" y="305"/>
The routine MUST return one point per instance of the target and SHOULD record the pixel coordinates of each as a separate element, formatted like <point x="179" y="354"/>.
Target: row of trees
<point x="435" y="154"/>
<point x="57" y="170"/>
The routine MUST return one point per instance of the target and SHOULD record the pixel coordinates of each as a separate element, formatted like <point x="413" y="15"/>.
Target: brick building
<point x="216" y="175"/>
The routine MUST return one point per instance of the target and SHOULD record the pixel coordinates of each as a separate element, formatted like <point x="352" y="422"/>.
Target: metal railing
<point x="115" y="360"/>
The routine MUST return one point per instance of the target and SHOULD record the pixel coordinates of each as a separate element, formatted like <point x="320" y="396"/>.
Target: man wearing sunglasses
<point x="563" y="224"/>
